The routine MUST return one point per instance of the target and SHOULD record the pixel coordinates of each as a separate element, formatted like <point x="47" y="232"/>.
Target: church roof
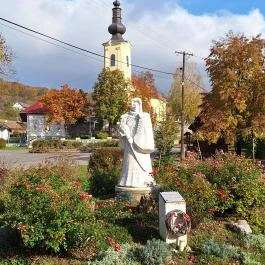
<point x="117" y="29"/>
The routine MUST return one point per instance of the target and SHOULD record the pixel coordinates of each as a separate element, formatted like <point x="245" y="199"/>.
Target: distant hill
<point x="12" y="92"/>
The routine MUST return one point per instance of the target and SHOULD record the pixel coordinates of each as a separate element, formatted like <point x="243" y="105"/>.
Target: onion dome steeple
<point x="117" y="29"/>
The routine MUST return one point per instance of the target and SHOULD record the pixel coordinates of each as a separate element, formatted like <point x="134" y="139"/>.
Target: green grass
<point x="10" y="148"/>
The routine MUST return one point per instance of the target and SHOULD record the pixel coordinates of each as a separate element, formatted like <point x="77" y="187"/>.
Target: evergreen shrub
<point x="155" y="252"/>
<point x="46" y="145"/>
<point x="102" y="135"/>
<point x="105" y="169"/>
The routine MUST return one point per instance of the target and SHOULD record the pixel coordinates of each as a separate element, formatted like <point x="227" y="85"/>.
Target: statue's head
<point x="136" y="105"/>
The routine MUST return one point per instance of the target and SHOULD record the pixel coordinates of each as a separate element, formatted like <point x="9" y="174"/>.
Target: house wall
<point x="18" y="106"/>
<point x="37" y="127"/>
<point x="159" y="107"/>
<point x="4" y="134"/>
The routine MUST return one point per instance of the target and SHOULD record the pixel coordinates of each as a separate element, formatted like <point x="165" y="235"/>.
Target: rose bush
<point x="49" y="211"/>
<point x="222" y="184"/>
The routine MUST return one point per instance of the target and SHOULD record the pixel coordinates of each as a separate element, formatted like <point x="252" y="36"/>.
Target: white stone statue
<point x="137" y="140"/>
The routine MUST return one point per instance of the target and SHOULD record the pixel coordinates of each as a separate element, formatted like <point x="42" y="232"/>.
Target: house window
<point x="127" y="61"/>
<point x="112" y="60"/>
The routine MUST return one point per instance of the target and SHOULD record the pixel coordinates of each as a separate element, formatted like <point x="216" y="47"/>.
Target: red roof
<point x="36" y="108"/>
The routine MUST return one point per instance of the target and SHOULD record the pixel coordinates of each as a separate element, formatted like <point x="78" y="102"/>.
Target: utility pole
<point x="182" y="152"/>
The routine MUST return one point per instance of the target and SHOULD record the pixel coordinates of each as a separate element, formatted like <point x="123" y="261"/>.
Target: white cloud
<point x="155" y="35"/>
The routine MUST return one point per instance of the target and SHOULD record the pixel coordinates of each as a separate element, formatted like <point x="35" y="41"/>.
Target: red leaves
<point x="115" y="245"/>
<point x="22" y="228"/>
<point x="85" y="196"/>
<point x="40" y="187"/>
<point x="65" y="105"/>
<point x="222" y="195"/>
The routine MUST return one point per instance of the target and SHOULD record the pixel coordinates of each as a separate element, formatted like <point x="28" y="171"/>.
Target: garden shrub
<point x="103" y="182"/>
<point x="103" y="230"/>
<point x="42" y="145"/>
<point x="256" y="219"/>
<point x="105" y="169"/>
<point x="108" y="143"/>
<point x="49" y="211"/>
<point x="224" y="183"/>
<point x="156" y="252"/>
<point x="102" y="135"/>
<point x="2" y="143"/>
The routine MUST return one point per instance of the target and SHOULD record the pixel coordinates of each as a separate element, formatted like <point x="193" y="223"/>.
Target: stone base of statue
<point x="134" y="195"/>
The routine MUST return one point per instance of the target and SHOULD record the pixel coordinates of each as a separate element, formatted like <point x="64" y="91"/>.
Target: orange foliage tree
<point x="65" y="105"/>
<point x="144" y="88"/>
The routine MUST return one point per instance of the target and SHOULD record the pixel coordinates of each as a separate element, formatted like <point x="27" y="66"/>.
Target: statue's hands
<point x="125" y="130"/>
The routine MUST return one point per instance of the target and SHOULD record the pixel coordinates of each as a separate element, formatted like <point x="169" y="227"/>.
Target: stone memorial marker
<point x="171" y="207"/>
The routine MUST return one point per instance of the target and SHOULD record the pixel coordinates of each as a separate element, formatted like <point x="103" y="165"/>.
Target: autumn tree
<point x="110" y="96"/>
<point x="6" y="58"/>
<point x="192" y="93"/>
<point x="65" y="105"/>
<point x="235" y="106"/>
<point x="144" y="88"/>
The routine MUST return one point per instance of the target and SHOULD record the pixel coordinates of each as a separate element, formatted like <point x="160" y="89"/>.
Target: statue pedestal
<point x="134" y="195"/>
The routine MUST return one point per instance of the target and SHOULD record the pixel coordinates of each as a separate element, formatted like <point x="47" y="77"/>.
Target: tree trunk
<point x="238" y="145"/>
<point x="253" y="146"/>
<point x="110" y="129"/>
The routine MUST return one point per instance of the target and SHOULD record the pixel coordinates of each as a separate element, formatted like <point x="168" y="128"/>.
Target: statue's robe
<point x="137" y="166"/>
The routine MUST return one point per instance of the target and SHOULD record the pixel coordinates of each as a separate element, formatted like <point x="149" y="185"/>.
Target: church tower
<point x="117" y="51"/>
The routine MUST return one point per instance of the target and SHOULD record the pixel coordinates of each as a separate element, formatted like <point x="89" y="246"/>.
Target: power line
<point x="196" y="84"/>
<point x="49" y="42"/>
<point x="82" y="49"/>
<point x="73" y="51"/>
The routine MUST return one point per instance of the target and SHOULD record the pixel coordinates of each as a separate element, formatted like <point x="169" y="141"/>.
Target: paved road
<point x="22" y="158"/>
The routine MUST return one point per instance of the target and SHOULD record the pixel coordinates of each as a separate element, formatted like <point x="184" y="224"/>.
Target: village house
<point x="19" y="106"/>
<point x="37" y="126"/>
<point x="9" y="128"/>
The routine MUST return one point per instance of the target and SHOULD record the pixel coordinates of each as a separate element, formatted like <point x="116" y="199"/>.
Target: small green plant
<point x="15" y="261"/>
<point x="210" y="247"/>
<point x="2" y="143"/>
<point x="257" y="241"/>
<point x="102" y="135"/>
<point x="116" y="256"/>
<point x="249" y="259"/>
<point x="156" y="252"/>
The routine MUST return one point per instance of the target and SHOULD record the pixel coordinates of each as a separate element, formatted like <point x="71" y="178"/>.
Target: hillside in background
<point x="12" y="92"/>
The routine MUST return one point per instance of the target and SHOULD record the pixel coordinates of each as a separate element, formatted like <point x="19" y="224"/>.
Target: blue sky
<point x="156" y="29"/>
<point x="199" y="7"/>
